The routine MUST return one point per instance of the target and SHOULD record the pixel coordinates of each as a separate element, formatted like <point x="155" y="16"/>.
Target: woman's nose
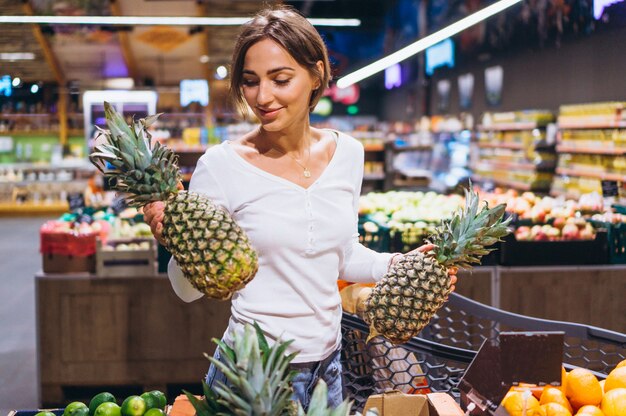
<point x="264" y="96"/>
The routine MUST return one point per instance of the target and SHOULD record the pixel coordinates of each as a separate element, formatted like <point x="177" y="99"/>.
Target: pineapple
<point x="211" y="249"/>
<point x="416" y="286"/>
<point x="258" y="381"/>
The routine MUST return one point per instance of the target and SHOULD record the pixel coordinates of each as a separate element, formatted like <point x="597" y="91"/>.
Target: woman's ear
<point x="320" y="69"/>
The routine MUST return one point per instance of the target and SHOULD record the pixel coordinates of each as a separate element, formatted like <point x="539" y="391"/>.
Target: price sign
<point x="76" y="201"/>
<point x="610" y="189"/>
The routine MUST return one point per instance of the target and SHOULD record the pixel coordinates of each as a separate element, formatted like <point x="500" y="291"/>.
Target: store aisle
<point x="19" y="261"/>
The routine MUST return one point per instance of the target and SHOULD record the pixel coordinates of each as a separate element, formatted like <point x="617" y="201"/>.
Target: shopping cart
<point x="436" y="359"/>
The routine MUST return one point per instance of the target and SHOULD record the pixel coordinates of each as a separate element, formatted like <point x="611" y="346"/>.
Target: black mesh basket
<point x="436" y="360"/>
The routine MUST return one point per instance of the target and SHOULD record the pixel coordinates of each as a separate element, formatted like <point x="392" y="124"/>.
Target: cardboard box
<point x="395" y="403"/>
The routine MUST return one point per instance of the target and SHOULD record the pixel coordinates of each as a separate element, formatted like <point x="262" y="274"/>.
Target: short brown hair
<point x="285" y="26"/>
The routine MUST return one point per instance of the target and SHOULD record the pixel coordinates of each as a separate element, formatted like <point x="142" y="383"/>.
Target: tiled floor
<point x="19" y="261"/>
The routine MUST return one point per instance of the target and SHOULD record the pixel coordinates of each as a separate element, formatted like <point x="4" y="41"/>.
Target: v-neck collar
<point x="276" y="178"/>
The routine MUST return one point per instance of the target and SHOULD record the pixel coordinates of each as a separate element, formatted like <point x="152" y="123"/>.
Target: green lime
<point x="133" y="406"/>
<point x="81" y="411"/>
<point x="161" y="396"/>
<point x="46" y="413"/>
<point x="72" y="409"/>
<point x="154" y="412"/>
<point x="152" y="402"/>
<point x="154" y="399"/>
<point x="108" y="409"/>
<point x="98" y="399"/>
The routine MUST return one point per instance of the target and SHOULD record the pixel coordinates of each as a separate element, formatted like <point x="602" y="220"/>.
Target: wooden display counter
<point x="96" y="334"/>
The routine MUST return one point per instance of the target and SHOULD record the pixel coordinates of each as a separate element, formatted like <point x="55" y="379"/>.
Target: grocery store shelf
<point x="374" y="147"/>
<point x="409" y="148"/>
<point x="522" y="186"/>
<point x="592" y="124"/>
<point x="512" y="146"/>
<point x="510" y="126"/>
<point x="490" y="165"/>
<point x="591" y="174"/>
<point x="562" y="148"/>
<point x="23" y="210"/>
<point x="374" y="177"/>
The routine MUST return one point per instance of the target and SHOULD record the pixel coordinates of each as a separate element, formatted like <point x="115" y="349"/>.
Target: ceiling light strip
<point x="424" y="43"/>
<point x="155" y="21"/>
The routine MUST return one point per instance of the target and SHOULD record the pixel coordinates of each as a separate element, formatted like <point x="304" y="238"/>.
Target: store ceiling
<point x="151" y="55"/>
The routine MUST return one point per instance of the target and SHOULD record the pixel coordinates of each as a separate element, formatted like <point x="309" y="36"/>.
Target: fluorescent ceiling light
<point x="156" y="20"/>
<point x="17" y="56"/>
<point x="424" y="43"/>
<point x="119" y="83"/>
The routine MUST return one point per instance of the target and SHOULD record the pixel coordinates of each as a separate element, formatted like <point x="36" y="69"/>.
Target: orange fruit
<point x="582" y="388"/>
<point x="534" y="389"/>
<point x="554" y="395"/>
<point x="563" y="379"/>
<point x="555" y="409"/>
<point x="589" y="411"/>
<point x="602" y="382"/>
<point x="515" y="403"/>
<point x="621" y="364"/>
<point x="616" y="379"/>
<point x="614" y="402"/>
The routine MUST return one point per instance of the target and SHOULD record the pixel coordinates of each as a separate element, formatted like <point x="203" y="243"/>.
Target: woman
<point x="294" y="189"/>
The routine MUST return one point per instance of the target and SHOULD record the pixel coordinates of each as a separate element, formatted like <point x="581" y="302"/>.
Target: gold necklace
<point x="306" y="172"/>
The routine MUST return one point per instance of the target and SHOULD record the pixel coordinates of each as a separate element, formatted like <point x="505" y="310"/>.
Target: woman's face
<point x="275" y="86"/>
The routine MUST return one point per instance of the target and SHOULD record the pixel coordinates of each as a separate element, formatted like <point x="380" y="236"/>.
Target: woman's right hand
<point x="153" y="216"/>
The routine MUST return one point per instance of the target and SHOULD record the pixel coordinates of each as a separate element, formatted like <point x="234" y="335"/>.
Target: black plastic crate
<point x="552" y="253"/>
<point x="437" y="359"/>
<point x="616" y="236"/>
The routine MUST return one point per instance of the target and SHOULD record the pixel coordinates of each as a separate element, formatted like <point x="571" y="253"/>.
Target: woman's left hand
<point x="451" y="271"/>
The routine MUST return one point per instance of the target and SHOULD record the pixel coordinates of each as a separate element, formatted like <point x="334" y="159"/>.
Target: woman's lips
<point x="269" y="113"/>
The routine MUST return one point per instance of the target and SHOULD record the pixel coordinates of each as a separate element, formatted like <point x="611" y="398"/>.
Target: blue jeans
<point x="305" y="379"/>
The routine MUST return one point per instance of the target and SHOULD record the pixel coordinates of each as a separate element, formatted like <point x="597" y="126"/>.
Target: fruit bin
<point x="616" y="236"/>
<point x="550" y="253"/>
<point x="117" y="263"/>
<point x="374" y="235"/>
<point x="437" y="359"/>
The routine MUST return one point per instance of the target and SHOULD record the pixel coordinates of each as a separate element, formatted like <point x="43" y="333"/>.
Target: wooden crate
<point x="116" y="263"/>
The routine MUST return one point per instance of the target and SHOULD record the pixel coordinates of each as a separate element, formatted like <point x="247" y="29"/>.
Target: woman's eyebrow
<point x="271" y="71"/>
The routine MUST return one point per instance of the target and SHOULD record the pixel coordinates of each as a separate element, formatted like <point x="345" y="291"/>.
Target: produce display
<point x="151" y="403"/>
<point x="415" y="287"/>
<point x="211" y="249"/>
<point x="580" y="394"/>
<point x="410" y="215"/>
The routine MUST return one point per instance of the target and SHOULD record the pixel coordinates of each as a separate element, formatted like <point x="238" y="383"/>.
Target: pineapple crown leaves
<point x="144" y="171"/>
<point x="318" y="405"/>
<point x="464" y="239"/>
<point x="258" y="375"/>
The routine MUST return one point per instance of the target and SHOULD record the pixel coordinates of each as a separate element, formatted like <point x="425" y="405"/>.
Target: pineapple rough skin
<point x="208" y="245"/>
<point x="405" y="299"/>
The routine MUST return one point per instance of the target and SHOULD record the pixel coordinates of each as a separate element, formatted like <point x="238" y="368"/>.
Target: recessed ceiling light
<point x="34" y="88"/>
<point x="16" y="82"/>
<point x="17" y="56"/>
<point x="205" y="59"/>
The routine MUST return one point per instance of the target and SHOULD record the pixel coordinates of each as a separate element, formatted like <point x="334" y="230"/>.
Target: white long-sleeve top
<point x="305" y="239"/>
